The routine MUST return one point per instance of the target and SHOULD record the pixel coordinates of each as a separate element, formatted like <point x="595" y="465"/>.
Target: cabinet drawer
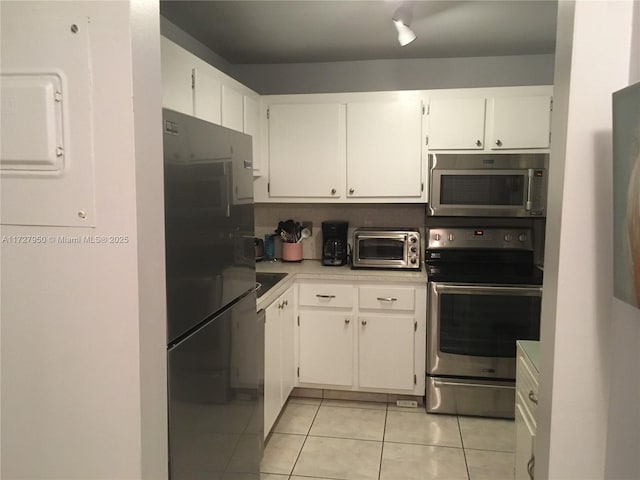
<point x="527" y="384"/>
<point x="325" y="295"/>
<point x="387" y="298"/>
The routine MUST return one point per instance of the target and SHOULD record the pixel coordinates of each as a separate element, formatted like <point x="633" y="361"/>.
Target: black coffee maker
<point x="334" y="242"/>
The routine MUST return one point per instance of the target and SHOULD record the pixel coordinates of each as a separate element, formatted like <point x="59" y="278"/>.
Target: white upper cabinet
<point x="232" y="108"/>
<point x="384" y="151"/>
<point x="177" y="69"/>
<point x="485" y="123"/>
<point x="306" y="150"/>
<point x="519" y="122"/>
<point x="206" y="96"/>
<point x="193" y="87"/>
<point x="456" y="124"/>
<point x="251" y="126"/>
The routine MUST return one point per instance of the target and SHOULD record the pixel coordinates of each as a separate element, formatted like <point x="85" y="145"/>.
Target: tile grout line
<point x="464" y="452"/>
<point x="305" y="440"/>
<point x="384" y="432"/>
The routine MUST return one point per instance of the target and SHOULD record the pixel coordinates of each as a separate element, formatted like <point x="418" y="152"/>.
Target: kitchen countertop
<point x="531" y="349"/>
<point x="314" y="270"/>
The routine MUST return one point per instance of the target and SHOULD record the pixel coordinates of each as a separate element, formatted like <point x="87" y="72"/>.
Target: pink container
<point x="292" y="252"/>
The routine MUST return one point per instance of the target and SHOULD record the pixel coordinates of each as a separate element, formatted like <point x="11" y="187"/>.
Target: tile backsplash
<point x="267" y="217"/>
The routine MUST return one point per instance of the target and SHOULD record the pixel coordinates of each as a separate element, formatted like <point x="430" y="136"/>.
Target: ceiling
<point x="296" y="31"/>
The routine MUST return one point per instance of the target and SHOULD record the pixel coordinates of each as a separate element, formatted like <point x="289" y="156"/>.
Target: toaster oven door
<point x="387" y="250"/>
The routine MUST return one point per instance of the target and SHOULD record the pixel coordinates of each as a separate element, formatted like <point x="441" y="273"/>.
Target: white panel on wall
<point x="45" y="157"/>
<point x="31" y="119"/>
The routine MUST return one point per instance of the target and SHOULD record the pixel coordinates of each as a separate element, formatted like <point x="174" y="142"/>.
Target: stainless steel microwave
<point x="488" y="185"/>
<point x="385" y="248"/>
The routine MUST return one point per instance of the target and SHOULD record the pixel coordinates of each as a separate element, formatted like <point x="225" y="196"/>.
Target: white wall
<point x="593" y="56"/>
<point x="83" y="341"/>
<point x="147" y="99"/>
<point x="374" y="75"/>
<point x="398" y="74"/>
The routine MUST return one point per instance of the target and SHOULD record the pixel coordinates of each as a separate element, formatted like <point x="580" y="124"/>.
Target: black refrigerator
<point x="214" y="340"/>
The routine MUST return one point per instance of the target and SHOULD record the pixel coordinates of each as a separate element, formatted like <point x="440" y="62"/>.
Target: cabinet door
<point x="287" y="333"/>
<point x="386" y="352"/>
<point x="272" y="382"/>
<point x="326" y="348"/>
<point x="306" y="150"/>
<point x="242" y="172"/>
<point x="456" y="124"/>
<point x="232" y="109"/>
<point x="519" y="122"/>
<point x="206" y="96"/>
<point x="525" y="437"/>
<point x="384" y="149"/>
<point x="251" y="126"/>
<point x="177" y="65"/>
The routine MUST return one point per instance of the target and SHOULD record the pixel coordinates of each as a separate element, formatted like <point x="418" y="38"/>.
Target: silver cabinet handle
<point x="364" y="322"/>
<point x="478" y="143"/>
<point x="347" y="321"/>
<point x="325" y="296"/>
<point x="333" y="191"/>
<point x="387" y="299"/>
<point x="499" y="143"/>
<point x="532" y="397"/>
<point x="351" y="191"/>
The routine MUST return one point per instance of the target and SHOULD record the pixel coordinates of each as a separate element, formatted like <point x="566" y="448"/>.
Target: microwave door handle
<point x="528" y="204"/>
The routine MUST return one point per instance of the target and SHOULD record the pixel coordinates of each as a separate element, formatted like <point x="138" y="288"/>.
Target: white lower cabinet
<point x="386" y="352"/>
<point x="525" y="419"/>
<point x="278" y="356"/>
<point x="359" y="337"/>
<point x="326" y="348"/>
<point x="525" y="438"/>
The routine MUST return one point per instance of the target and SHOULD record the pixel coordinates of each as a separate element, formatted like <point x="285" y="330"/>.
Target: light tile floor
<point x="348" y="440"/>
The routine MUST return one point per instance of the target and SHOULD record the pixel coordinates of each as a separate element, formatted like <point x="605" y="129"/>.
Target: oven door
<point x="472" y="329"/>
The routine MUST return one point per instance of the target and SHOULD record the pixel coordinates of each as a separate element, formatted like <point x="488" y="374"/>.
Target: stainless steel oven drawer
<point x="459" y="396"/>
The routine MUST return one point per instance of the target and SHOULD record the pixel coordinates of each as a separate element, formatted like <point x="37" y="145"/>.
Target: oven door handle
<point x="486" y="289"/>
<point x="443" y="383"/>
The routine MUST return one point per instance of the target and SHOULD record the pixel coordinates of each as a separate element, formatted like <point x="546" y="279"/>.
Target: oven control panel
<point x="475" y="238"/>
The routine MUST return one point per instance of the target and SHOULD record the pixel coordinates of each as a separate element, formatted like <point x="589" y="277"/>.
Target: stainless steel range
<point x="484" y="293"/>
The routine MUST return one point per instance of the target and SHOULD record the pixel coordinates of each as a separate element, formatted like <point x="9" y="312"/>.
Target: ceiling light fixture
<point x="402" y="19"/>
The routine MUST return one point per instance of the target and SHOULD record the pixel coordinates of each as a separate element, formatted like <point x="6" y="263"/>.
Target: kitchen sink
<point x="267" y="281"/>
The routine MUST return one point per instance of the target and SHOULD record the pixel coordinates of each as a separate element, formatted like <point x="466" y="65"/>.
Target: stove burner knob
<point x="508" y="237"/>
<point x="414" y="249"/>
<point x="436" y="237"/>
<point x="451" y="237"/>
<point x="522" y="237"/>
<point x="412" y="239"/>
<point x="414" y="260"/>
